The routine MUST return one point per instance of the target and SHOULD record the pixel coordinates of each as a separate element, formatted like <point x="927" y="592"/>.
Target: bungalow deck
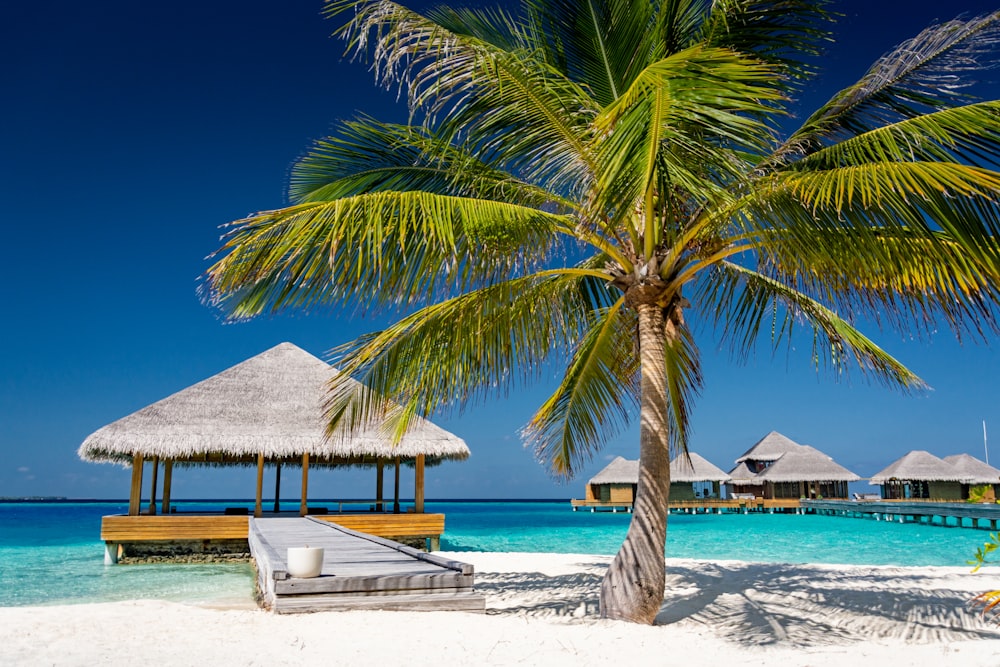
<point x="359" y="571"/>
<point x="702" y="506"/>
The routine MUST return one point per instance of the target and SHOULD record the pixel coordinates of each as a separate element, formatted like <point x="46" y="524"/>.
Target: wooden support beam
<point x="258" y="509"/>
<point x="168" y="475"/>
<point x="379" y="479"/>
<point x="418" y="484"/>
<point x="277" y="488"/>
<point x="395" y="495"/>
<point x="152" y="486"/>
<point x="135" y="492"/>
<point x="304" y="506"/>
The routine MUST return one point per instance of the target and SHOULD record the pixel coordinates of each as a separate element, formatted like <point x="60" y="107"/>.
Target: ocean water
<point x="50" y="553"/>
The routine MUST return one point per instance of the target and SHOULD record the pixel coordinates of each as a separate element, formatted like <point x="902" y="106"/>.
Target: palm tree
<point x="583" y="181"/>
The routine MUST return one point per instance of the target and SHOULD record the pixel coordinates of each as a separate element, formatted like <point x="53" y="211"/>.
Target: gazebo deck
<point x="144" y="529"/>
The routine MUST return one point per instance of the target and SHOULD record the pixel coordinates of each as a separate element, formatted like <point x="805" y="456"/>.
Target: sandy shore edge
<point x="542" y="610"/>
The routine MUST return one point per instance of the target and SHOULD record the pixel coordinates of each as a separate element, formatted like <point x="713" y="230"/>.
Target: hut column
<point x="152" y="486"/>
<point x="277" y="488"/>
<point x="395" y="495"/>
<point x="379" y="479"/>
<point x="136" y="491"/>
<point x="304" y="507"/>
<point x="168" y="473"/>
<point x="418" y="484"/>
<point x="258" y="509"/>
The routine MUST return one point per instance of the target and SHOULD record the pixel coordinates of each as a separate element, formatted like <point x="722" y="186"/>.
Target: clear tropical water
<point x="51" y="552"/>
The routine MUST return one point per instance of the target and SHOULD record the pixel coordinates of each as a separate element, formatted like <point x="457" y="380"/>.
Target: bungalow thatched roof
<point x="920" y="466"/>
<point x="807" y="464"/>
<point x="769" y="448"/>
<point x="698" y="470"/>
<point x="619" y="471"/>
<point x="272" y="404"/>
<point x="976" y="471"/>
<point x="742" y="474"/>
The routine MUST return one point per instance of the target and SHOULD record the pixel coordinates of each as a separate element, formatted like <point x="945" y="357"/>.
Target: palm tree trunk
<point x="632" y="589"/>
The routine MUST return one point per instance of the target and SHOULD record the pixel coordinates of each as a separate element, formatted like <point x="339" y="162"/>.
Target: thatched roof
<point x="920" y="466"/>
<point x="807" y="464"/>
<point x="742" y="474"/>
<point x="625" y="471"/>
<point x="698" y="470"/>
<point x="976" y="471"/>
<point x="789" y="462"/>
<point x="619" y="471"/>
<point x="769" y="448"/>
<point x="272" y="404"/>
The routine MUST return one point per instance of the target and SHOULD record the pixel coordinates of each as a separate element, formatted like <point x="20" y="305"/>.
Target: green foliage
<point x="977" y="494"/>
<point x="989" y="600"/>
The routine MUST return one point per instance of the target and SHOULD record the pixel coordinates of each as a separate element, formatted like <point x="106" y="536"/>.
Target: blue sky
<point x="130" y="131"/>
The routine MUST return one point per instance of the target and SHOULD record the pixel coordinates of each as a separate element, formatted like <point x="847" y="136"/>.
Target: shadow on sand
<point x="756" y="604"/>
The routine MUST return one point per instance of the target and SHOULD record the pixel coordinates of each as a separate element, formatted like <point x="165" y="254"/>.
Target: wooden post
<point x="304" y="507"/>
<point x="152" y="489"/>
<point x="418" y="485"/>
<point x="395" y="503"/>
<point x="168" y="474"/>
<point x="277" y="488"/>
<point x="136" y="491"/>
<point x="258" y="510"/>
<point x="379" y="478"/>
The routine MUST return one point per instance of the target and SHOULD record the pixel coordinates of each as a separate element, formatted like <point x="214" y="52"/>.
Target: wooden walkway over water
<point x="360" y="571"/>
<point x="956" y="514"/>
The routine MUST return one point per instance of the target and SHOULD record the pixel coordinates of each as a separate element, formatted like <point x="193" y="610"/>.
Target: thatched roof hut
<point x="697" y="469"/>
<point x="976" y="471"/>
<point x="619" y="471"/>
<point x="807" y="465"/>
<point x="270" y="404"/>
<point x="919" y="465"/>
<point x="779" y="467"/>
<point x="267" y="409"/>
<point x="769" y="448"/>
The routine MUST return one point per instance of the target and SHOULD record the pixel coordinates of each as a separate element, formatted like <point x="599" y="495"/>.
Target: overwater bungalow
<point x="777" y="467"/>
<point x="921" y="475"/>
<point x="267" y="411"/>
<point x="691" y="478"/>
<point x="979" y="473"/>
<point x="695" y="477"/>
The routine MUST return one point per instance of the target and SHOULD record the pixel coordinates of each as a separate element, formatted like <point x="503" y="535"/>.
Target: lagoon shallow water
<point x="51" y="552"/>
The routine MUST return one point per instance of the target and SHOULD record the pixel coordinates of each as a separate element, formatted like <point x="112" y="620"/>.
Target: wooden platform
<point x="957" y="514"/>
<point x="360" y="571"/>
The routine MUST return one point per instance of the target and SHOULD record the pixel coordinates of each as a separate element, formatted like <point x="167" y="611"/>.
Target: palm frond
<point x="377" y="249"/>
<point x="687" y="116"/>
<point x="596" y="398"/>
<point x="599" y="44"/>
<point x="749" y="304"/>
<point x="369" y="156"/>
<point x="782" y="33"/>
<point x="967" y="134"/>
<point x="929" y="72"/>
<point x="469" y="347"/>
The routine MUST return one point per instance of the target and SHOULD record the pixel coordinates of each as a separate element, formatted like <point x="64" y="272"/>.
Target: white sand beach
<point x="541" y="609"/>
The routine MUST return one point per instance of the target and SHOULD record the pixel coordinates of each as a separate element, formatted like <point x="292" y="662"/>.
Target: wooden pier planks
<point x="359" y="571"/>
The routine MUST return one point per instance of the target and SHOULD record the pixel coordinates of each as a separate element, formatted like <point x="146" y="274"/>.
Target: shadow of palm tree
<point x="760" y="604"/>
<point x="756" y="604"/>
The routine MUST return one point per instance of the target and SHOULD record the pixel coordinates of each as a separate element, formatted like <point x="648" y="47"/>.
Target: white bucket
<point x="305" y="562"/>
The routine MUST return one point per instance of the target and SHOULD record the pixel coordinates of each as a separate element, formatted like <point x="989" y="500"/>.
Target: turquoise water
<point x="61" y="543"/>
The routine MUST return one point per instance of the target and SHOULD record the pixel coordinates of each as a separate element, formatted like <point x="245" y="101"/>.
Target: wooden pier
<point x="360" y="571"/>
<point x="701" y="506"/>
<point x="955" y="514"/>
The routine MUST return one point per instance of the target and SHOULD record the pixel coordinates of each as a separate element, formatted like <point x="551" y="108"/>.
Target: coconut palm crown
<point x="583" y="182"/>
